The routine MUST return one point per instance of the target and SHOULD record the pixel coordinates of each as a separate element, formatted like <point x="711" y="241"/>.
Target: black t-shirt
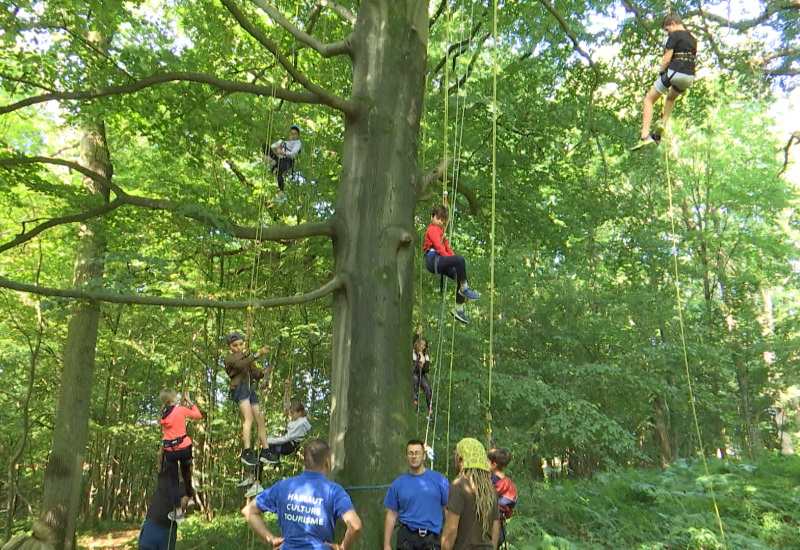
<point x="161" y="504"/>
<point x="684" y="49"/>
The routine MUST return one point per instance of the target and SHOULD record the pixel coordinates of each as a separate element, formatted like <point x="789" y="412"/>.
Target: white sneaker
<point x="254" y="490"/>
<point x="176" y="516"/>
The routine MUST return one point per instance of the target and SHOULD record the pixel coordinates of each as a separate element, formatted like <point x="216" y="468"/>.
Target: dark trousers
<point x="171" y="461"/>
<point x="284" y="165"/>
<point x="412" y="540"/>
<point x="422" y="380"/>
<point x="450" y="266"/>
<point x="283" y="448"/>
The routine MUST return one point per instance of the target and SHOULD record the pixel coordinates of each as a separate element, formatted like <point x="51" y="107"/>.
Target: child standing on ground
<point x="422" y="365"/>
<point x="241" y="369"/>
<point x="296" y="430"/>
<point x="441" y="260"/>
<point x="178" y="446"/>
<point x="676" y="75"/>
<point x="499" y="459"/>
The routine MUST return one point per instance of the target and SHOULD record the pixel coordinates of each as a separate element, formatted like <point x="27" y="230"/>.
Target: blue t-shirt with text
<point x="307" y="507"/>
<point x="418" y="499"/>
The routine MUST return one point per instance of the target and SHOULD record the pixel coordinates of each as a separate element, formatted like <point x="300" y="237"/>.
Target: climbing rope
<point x="492" y="234"/>
<point x="679" y="306"/>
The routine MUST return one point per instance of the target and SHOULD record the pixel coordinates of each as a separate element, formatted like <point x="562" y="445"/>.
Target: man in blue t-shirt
<point x="416" y="499"/>
<point x="307" y="507"/>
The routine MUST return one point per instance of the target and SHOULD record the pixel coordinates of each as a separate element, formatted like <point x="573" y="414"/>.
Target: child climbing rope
<point x="441" y="260"/>
<point x="296" y="430"/>
<point x="178" y="447"/>
<point x="422" y="365"/>
<point x="499" y="459"/>
<point x="281" y="155"/>
<point x="676" y="75"/>
<point x="241" y="369"/>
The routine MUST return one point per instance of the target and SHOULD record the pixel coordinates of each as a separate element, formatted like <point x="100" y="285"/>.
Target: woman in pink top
<point x="178" y="446"/>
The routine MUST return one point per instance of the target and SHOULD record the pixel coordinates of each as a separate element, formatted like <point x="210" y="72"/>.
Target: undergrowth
<point x="665" y="509"/>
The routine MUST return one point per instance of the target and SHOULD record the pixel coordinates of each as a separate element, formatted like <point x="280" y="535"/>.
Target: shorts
<point x="243" y="393"/>
<point x="680" y="82"/>
<point x="157" y="537"/>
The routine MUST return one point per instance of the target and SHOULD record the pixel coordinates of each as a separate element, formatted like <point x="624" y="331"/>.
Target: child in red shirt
<point x="441" y="260"/>
<point x="178" y="446"/>
<point x="499" y="458"/>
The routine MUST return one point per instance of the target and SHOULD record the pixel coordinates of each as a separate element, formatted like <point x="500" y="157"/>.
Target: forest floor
<point x="123" y="538"/>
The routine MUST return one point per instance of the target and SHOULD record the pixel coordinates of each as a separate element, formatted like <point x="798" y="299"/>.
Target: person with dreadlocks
<point x="471" y="519"/>
<point x="40" y="538"/>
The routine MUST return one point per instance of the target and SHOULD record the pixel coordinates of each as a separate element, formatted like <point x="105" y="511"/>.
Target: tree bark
<point x="62" y="480"/>
<point x="374" y="251"/>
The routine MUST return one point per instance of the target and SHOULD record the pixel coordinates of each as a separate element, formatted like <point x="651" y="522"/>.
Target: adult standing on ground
<point x="158" y="531"/>
<point x="472" y="520"/>
<point x="415" y="498"/>
<point x="307" y="506"/>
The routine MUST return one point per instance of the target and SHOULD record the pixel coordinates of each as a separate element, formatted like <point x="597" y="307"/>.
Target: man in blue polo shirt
<point x="416" y="499"/>
<point x="307" y="507"/>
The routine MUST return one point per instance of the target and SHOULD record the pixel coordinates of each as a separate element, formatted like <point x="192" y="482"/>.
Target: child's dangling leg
<point x="416" y="390"/>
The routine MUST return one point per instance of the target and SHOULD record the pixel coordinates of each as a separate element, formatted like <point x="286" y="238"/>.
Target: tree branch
<point x="323" y="96"/>
<point x="460" y="46"/>
<point x="435" y="174"/>
<point x="341" y="47"/>
<point x="463" y="80"/>
<point x="746" y="24"/>
<point x="191" y="211"/>
<point x="226" y="85"/>
<point x="339" y="10"/>
<point x="795" y="137"/>
<point x="83" y="216"/>
<point x="575" y="42"/>
<point x="438" y="13"/>
<point x="91" y="296"/>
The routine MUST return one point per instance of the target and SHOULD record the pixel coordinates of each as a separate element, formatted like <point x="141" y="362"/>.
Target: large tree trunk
<point x="63" y="475"/>
<point x="374" y="252"/>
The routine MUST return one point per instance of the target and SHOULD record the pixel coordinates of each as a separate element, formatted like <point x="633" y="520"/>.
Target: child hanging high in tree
<point x="281" y="156"/>
<point x="676" y="75"/>
<point x="241" y="368"/>
<point x="178" y="447"/>
<point x="296" y="430"/>
<point x="441" y="260"/>
<point x="422" y="365"/>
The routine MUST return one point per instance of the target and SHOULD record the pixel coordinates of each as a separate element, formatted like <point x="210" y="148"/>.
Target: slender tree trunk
<point x="374" y="251"/>
<point x="35" y="346"/>
<point x="63" y="475"/>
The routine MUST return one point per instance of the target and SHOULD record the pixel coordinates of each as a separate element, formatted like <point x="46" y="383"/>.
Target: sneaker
<point x="254" y="490"/>
<point x="280" y="197"/>
<point x="468" y="293"/>
<point x="657" y="138"/>
<point x="643" y="142"/>
<point x="191" y="506"/>
<point x="176" y="516"/>
<point x="660" y="128"/>
<point x="430" y="414"/>
<point x="461" y="316"/>
<point x="249" y="457"/>
<point x="268" y="457"/>
<point x="247" y="482"/>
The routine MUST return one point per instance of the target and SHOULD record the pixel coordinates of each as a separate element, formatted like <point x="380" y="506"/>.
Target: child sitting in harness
<point x="441" y="260"/>
<point x="676" y="75"/>
<point x="281" y="155"/>
<point x="177" y="446"/>
<point x="296" y="430"/>
<point x="422" y="365"/>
